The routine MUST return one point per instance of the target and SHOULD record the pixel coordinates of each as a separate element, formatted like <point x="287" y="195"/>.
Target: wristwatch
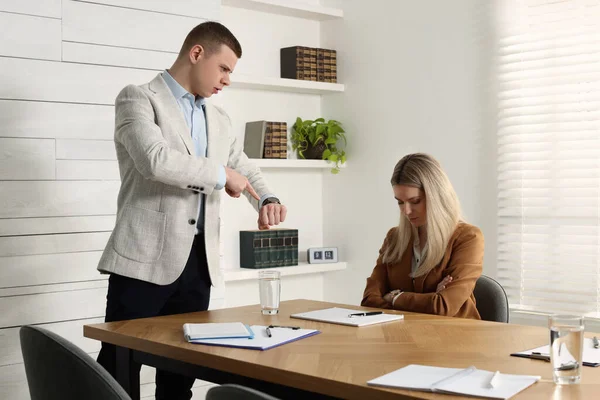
<point x="270" y="200"/>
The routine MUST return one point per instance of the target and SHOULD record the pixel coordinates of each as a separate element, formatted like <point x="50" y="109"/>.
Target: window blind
<point x="548" y="141"/>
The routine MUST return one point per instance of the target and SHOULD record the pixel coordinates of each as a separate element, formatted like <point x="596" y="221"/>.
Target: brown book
<point x="333" y="66"/>
<point x="292" y="62"/>
<point x="276" y="145"/>
<point x="283" y="140"/>
<point x="321" y="65"/>
<point x="268" y="140"/>
<point x="327" y="65"/>
<point x="313" y="64"/>
<point x="306" y="68"/>
<point x="277" y="139"/>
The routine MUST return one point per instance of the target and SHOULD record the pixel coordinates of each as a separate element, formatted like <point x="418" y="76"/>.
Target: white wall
<point x="416" y="80"/>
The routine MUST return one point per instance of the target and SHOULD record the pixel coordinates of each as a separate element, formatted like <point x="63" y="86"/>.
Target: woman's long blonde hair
<point x="442" y="206"/>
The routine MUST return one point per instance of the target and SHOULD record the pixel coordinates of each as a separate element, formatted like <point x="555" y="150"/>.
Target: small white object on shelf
<point x="284" y="85"/>
<point x="288" y="8"/>
<point x="243" y="274"/>
<point x="322" y="255"/>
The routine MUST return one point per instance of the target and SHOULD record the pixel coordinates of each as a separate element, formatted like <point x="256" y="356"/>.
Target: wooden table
<point x="338" y="362"/>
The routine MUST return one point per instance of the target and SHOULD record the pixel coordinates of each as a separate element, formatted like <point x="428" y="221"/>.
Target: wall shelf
<point x="285" y="85"/>
<point x="288" y="8"/>
<point x="289" y="163"/>
<point x="244" y="274"/>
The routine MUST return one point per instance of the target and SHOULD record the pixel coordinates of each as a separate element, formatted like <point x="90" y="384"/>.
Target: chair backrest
<point x="236" y="392"/>
<point x="57" y="369"/>
<point x="491" y="299"/>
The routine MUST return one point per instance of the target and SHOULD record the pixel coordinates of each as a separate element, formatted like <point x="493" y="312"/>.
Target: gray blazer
<point x="161" y="179"/>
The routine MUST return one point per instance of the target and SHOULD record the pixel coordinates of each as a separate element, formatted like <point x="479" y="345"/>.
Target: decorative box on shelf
<point x="268" y="248"/>
<point x="309" y="64"/>
<point x="266" y="139"/>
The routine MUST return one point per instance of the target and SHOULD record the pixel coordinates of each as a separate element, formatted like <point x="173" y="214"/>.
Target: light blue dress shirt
<point x="194" y="114"/>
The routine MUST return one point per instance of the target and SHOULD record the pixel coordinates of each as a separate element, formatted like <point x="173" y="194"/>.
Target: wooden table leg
<point x="128" y="372"/>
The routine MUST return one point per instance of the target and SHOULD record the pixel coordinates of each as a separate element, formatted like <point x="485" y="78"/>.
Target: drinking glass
<point x="269" y="286"/>
<point x="566" y="348"/>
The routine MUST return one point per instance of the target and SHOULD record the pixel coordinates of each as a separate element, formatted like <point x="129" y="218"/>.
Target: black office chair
<point x="236" y="392"/>
<point x="491" y="300"/>
<point x="56" y="369"/>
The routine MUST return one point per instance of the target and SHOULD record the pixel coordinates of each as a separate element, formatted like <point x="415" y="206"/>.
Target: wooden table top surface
<point x="341" y="359"/>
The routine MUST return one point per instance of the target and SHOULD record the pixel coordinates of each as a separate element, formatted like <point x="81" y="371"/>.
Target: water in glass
<point x="270" y="290"/>
<point x="566" y="348"/>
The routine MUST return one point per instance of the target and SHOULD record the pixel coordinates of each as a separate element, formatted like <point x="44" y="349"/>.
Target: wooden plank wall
<point x="62" y="63"/>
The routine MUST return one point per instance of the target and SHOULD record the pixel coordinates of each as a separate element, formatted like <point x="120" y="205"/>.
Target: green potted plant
<point x="319" y="140"/>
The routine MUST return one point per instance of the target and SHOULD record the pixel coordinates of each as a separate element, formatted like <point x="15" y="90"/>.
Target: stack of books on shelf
<point x="268" y="248"/>
<point x="266" y="139"/>
<point x="309" y="64"/>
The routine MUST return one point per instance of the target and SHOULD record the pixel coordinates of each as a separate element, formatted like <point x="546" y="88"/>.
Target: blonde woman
<point x="430" y="262"/>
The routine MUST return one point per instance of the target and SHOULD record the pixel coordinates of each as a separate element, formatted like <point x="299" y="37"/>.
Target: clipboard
<point x="342" y="316"/>
<point x="546" y="357"/>
<point x="261" y="341"/>
<point x="591" y="355"/>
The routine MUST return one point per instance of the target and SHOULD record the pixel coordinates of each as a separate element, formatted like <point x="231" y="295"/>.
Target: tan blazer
<point x="161" y="179"/>
<point x="463" y="261"/>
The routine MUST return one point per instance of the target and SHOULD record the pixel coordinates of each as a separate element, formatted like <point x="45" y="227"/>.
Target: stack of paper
<point x="341" y="316"/>
<point x="261" y="340"/>
<point x="193" y="332"/>
<point x="469" y="381"/>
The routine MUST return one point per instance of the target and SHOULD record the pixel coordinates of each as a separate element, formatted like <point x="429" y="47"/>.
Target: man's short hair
<point x="211" y="35"/>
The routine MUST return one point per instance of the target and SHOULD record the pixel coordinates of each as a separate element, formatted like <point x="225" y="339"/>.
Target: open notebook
<point x="216" y="330"/>
<point x="591" y="356"/>
<point x="261" y="341"/>
<point x="469" y="382"/>
<point x="340" y="316"/>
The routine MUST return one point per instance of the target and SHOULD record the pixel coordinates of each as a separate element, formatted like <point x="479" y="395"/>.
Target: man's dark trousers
<point x="131" y="298"/>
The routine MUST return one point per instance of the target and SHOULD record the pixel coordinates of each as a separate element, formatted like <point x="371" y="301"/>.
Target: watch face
<point x="270" y="200"/>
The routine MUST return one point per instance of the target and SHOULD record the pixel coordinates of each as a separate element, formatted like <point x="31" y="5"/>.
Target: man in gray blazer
<point x="176" y="152"/>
